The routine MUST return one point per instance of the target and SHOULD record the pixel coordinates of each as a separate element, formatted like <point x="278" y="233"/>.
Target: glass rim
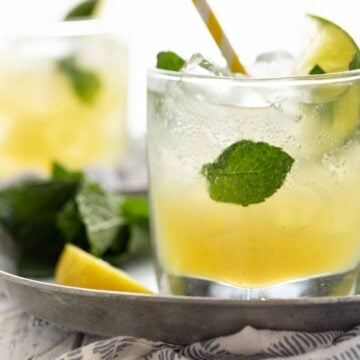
<point x="321" y="79"/>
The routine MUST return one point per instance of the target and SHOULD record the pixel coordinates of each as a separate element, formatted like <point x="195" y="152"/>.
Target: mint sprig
<point x="85" y="9"/>
<point x="355" y="62"/>
<point x="43" y="215"/>
<point x="317" y="70"/>
<point x="85" y="83"/>
<point x="247" y="172"/>
<point x="168" y="60"/>
<point x="99" y="213"/>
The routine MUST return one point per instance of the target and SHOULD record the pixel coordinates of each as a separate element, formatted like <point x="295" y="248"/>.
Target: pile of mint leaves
<point x="43" y="215"/>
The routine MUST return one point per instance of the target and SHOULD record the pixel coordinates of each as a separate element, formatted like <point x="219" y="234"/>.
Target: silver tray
<point x="168" y="318"/>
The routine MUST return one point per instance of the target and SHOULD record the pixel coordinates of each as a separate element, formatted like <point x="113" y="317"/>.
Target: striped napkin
<point x="246" y="344"/>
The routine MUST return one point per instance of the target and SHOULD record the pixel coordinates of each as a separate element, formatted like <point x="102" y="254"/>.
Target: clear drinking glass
<point x="302" y="241"/>
<point x="62" y="97"/>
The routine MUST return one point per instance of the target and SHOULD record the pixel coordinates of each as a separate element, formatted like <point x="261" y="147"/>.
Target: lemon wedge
<point x="80" y="269"/>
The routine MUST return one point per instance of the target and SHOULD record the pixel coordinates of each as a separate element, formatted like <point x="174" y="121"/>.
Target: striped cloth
<point x="247" y="344"/>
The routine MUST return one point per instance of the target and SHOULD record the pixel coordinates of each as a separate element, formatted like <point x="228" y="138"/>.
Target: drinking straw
<point x="219" y="36"/>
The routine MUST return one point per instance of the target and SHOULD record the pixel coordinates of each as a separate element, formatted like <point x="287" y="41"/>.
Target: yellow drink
<point x="303" y="239"/>
<point x="42" y="118"/>
<point x="293" y="235"/>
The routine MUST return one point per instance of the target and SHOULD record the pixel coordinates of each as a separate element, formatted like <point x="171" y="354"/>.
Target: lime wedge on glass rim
<point x="332" y="114"/>
<point x="328" y="46"/>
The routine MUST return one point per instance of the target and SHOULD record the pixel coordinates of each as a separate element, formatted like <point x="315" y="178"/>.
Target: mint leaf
<point x="85" y="83"/>
<point x="39" y="244"/>
<point x="85" y="9"/>
<point x="317" y="70"/>
<point x="19" y="204"/>
<point x="247" y="172"/>
<point x="71" y="226"/>
<point x="133" y="237"/>
<point x="59" y="172"/>
<point x="355" y="62"/>
<point x="131" y="241"/>
<point x="28" y="212"/>
<point x="135" y="210"/>
<point x="99" y="214"/>
<point x="41" y="216"/>
<point x="168" y="60"/>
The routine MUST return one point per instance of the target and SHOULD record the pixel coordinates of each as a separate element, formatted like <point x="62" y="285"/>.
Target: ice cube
<point x="272" y="64"/>
<point x="199" y="65"/>
<point x="274" y="56"/>
<point x="221" y="92"/>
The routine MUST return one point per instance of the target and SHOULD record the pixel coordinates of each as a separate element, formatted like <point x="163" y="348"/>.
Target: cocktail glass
<point x="304" y="240"/>
<point x="62" y="97"/>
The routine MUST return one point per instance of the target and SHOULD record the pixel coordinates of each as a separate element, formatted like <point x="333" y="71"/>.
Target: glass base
<point x="326" y="285"/>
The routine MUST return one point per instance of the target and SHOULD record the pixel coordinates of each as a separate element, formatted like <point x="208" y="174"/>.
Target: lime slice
<point x="80" y="269"/>
<point x="327" y="46"/>
<point x="331" y="113"/>
<point x="329" y="124"/>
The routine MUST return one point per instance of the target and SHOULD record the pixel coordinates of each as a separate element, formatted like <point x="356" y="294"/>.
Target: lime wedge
<point x="327" y="46"/>
<point x="329" y="124"/>
<point x="331" y="113"/>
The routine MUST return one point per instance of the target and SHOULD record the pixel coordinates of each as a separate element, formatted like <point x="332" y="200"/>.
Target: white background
<point x="148" y="26"/>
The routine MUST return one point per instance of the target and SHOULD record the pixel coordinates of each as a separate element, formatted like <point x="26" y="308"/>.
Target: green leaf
<point x="84" y="10"/>
<point x="135" y="210"/>
<point x="355" y="62"/>
<point x="31" y="267"/>
<point x="59" y="172"/>
<point x="131" y="241"/>
<point x="133" y="238"/>
<point x="168" y="60"/>
<point x="247" y="172"/>
<point x="42" y="216"/>
<point x="71" y="226"/>
<point x="40" y="244"/>
<point x="28" y="212"/>
<point x="317" y="70"/>
<point x="85" y="83"/>
<point x="20" y="203"/>
<point x="100" y="216"/>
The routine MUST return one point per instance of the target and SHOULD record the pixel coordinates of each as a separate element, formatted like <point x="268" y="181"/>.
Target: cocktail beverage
<point x="62" y="98"/>
<point x="254" y="183"/>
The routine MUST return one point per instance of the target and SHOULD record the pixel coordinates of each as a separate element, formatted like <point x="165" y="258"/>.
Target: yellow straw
<point x="219" y="36"/>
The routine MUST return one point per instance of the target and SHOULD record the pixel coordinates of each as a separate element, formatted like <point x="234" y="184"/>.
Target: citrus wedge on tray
<point x="80" y="269"/>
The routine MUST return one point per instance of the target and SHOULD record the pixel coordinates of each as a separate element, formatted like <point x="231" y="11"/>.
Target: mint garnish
<point x="59" y="172"/>
<point x="247" y="172"/>
<point x="99" y="214"/>
<point x="43" y="215"/>
<point x="86" y="83"/>
<point x="168" y="60"/>
<point x="355" y="62"/>
<point x="85" y="9"/>
<point x="317" y="70"/>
